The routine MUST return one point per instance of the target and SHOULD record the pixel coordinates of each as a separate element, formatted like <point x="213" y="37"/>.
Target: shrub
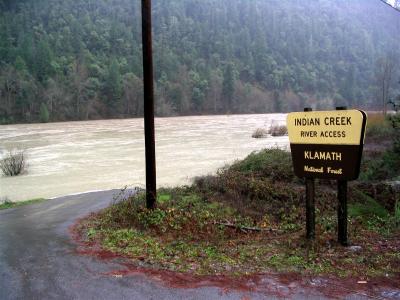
<point x="13" y="164"/>
<point x="278" y="130"/>
<point x="259" y="133"/>
<point x="274" y="130"/>
<point x="275" y="164"/>
<point x="5" y="201"/>
<point x="397" y="213"/>
<point x="378" y="127"/>
<point x="380" y="166"/>
<point x="395" y="120"/>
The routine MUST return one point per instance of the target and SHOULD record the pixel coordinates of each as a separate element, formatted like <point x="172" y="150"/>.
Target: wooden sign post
<point x="310" y="203"/>
<point x="148" y="91"/>
<point x="327" y="145"/>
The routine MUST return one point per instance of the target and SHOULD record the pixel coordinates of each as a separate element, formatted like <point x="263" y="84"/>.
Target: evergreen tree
<point x="44" y="113"/>
<point x="43" y="59"/>
<point x="228" y="87"/>
<point x="113" y="87"/>
<point x="20" y="64"/>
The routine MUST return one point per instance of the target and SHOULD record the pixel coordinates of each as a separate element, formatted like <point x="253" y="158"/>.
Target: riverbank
<point x="250" y="219"/>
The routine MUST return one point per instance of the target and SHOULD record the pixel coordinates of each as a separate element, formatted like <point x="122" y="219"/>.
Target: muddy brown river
<point x="76" y="157"/>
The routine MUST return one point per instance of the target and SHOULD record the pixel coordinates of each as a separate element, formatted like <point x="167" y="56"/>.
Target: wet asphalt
<point x="38" y="260"/>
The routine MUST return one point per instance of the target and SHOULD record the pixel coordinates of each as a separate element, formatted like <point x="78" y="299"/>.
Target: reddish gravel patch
<point x="272" y="284"/>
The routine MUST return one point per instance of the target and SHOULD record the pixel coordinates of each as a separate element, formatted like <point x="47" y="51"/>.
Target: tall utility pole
<point x="151" y="190"/>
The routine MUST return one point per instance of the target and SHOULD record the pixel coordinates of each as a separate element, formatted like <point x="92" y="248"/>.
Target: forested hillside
<point x="81" y="59"/>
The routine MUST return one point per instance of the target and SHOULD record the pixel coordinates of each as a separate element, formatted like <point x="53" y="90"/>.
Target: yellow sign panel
<point x="339" y="127"/>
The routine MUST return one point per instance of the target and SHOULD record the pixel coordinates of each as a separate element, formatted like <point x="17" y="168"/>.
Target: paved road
<point x="38" y="260"/>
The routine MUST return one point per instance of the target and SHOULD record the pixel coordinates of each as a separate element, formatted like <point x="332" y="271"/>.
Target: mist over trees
<point x="81" y="59"/>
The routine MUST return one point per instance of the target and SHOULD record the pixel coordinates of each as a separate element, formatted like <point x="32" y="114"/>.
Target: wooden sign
<point x="327" y="144"/>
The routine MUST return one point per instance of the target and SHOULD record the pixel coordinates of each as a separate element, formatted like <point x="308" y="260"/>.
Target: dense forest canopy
<point x="81" y="59"/>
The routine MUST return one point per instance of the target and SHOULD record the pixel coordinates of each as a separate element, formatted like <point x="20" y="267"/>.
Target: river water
<point x="75" y="157"/>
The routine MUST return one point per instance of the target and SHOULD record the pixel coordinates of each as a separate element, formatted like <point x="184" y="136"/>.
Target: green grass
<point x="368" y="209"/>
<point x="373" y="215"/>
<point x="162" y="197"/>
<point x="10" y="204"/>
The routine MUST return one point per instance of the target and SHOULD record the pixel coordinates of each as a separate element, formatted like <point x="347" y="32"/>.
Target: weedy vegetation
<point x="381" y="158"/>
<point x="6" y="203"/>
<point x="250" y="218"/>
<point x="274" y="130"/>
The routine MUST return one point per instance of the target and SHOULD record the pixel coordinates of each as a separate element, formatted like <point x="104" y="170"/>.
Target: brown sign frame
<point x="325" y="159"/>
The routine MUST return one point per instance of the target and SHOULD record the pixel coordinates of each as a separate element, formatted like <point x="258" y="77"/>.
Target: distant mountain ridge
<point x="81" y="59"/>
